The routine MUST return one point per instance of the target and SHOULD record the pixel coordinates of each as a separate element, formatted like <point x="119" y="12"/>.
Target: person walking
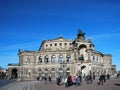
<point x="45" y="79"/>
<point x="58" y="80"/>
<point x="87" y="79"/>
<point x="100" y="80"/>
<point x="108" y="76"/>
<point x="78" y="81"/>
<point x="66" y="82"/>
<point x="118" y="75"/>
<point x="93" y="76"/>
<point x="90" y="79"/>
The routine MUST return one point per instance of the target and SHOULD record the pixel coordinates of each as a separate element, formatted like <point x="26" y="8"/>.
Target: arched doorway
<point x="46" y="71"/>
<point x="68" y="71"/>
<point x="83" y="67"/>
<point x="39" y="72"/>
<point x="14" y="73"/>
<point x="60" y="71"/>
<point x="84" y="70"/>
<point x="53" y="73"/>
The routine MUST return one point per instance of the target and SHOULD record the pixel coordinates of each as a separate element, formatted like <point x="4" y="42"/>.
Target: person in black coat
<point x="100" y="80"/>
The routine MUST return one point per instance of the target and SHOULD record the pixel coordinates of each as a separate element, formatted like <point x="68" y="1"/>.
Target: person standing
<point x="108" y="76"/>
<point x="93" y="76"/>
<point x="50" y="77"/>
<point x="45" y="79"/>
<point x="87" y="79"/>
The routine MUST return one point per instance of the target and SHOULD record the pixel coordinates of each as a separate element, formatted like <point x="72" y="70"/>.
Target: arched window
<point x="60" y="58"/>
<point x="53" y="73"/>
<point x="39" y="71"/>
<point x="60" y="69"/>
<point x="68" y="69"/>
<point x="53" y="59"/>
<point x="40" y="59"/>
<point x="46" y="71"/>
<point x="82" y="46"/>
<point x="68" y="58"/>
<point x="46" y="59"/>
<point x="53" y="70"/>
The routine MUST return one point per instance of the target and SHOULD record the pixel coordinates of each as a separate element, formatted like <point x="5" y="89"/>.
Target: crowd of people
<point x="76" y="80"/>
<point x="46" y="78"/>
<point x="102" y="79"/>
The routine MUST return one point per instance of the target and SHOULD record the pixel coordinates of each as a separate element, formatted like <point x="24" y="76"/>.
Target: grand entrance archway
<point x="84" y="70"/>
<point x="14" y="73"/>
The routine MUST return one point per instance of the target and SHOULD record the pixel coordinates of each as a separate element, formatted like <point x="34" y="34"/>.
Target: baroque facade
<point x="64" y="57"/>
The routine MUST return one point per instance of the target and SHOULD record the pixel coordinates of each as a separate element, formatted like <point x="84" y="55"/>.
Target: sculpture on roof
<point x="80" y="34"/>
<point x="19" y="50"/>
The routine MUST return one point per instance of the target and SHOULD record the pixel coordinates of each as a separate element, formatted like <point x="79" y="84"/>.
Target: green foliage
<point x="81" y="57"/>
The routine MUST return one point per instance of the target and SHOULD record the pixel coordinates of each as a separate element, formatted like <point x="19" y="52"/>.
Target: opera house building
<point x="62" y="56"/>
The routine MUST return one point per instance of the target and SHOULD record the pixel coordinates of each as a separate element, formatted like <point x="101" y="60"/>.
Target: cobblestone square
<point x="113" y="84"/>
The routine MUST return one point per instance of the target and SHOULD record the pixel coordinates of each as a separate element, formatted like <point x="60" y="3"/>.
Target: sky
<point x="25" y="23"/>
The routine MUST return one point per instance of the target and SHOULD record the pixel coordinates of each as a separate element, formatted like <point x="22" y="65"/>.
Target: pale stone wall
<point x="93" y="61"/>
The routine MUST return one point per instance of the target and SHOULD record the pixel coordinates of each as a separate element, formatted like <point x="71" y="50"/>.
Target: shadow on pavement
<point x="117" y="84"/>
<point x="5" y="82"/>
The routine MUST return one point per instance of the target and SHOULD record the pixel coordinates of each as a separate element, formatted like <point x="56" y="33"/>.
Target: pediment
<point x="59" y="39"/>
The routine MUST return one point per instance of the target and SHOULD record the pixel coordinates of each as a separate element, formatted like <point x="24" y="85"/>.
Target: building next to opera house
<point x="62" y="56"/>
